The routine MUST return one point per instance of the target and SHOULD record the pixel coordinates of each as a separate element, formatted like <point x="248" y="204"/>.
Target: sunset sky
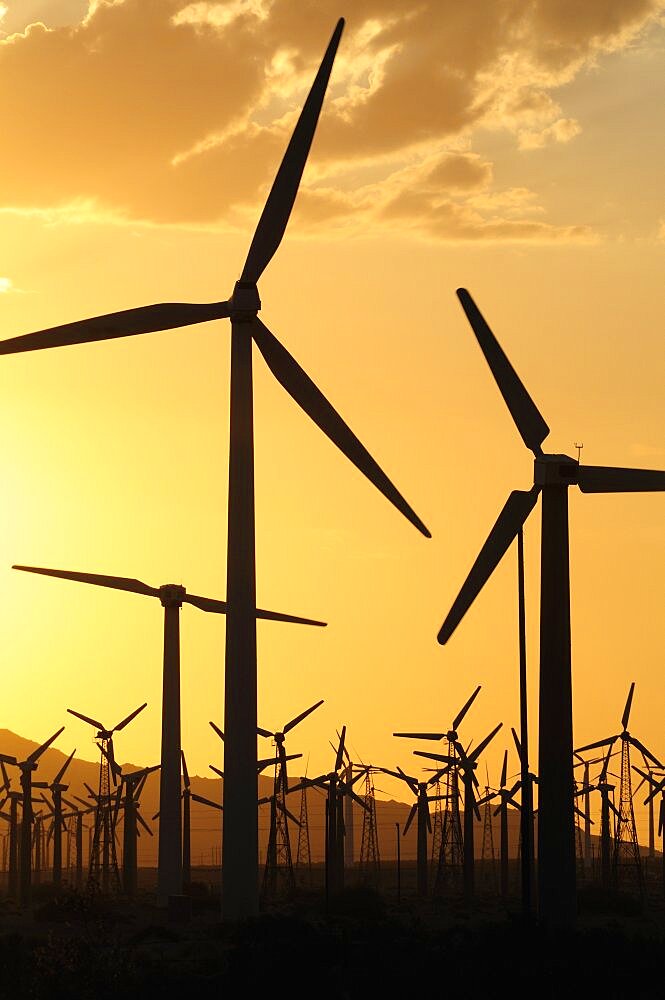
<point x="516" y="149"/>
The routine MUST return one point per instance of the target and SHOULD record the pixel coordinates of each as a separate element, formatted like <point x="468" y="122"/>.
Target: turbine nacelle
<point x="245" y="303"/>
<point x="555" y="470"/>
<point x="171" y="595"/>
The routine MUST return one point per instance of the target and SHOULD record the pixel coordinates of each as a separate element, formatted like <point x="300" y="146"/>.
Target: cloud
<point x="17" y="15"/>
<point x="171" y="112"/>
<point x="562" y="130"/>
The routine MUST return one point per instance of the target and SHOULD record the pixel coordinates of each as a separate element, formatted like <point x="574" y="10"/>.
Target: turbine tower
<point x="240" y="841"/>
<point x="553" y="476"/>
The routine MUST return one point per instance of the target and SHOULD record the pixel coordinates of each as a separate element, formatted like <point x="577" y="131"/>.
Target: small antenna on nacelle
<point x="579" y="450"/>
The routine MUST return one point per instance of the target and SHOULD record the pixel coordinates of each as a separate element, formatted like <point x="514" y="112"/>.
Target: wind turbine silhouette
<point x="553" y="475"/>
<point x="172" y="597"/>
<point x="240" y="843"/>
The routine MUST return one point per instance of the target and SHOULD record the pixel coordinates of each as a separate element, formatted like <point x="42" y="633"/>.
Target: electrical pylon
<point x="303" y="865"/>
<point x="451" y="856"/>
<point x="437" y="823"/>
<point x="487" y="856"/>
<point x="627" y="867"/>
<point x="370" y="859"/>
<point x="103" y="870"/>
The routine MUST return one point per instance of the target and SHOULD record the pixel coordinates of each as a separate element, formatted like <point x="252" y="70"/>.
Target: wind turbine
<point x="420" y="811"/>
<point x="336" y="788"/>
<point x="56" y="789"/>
<point x="103" y="853"/>
<point x="626" y="847"/>
<point x="172" y="597"/>
<point x="279" y="863"/>
<point x="656" y="785"/>
<point x="133" y="782"/>
<point x="12" y="819"/>
<point x="505" y="795"/>
<point x="467" y="764"/>
<point x="451" y="834"/>
<point x="77" y="815"/>
<point x="553" y="475"/>
<point x="240" y="844"/>
<point x="27" y="767"/>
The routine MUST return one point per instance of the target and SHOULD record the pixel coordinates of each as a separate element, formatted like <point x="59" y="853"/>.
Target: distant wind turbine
<point x="553" y="475"/>
<point x="172" y="596"/>
<point x="240" y="844"/>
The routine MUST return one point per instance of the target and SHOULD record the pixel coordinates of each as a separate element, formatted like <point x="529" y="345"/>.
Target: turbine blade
<point x="602" y="479"/>
<point x="126" y="323"/>
<point x="436" y="756"/>
<point x="286" y="812"/>
<point x="303" y="715"/>
<point x="339" y="760"/>
<point x="143" y="823"/>
<point x="481" y="746"/>
<point x="36" y="754"/>
<point x="59" y="776"/>
<point x="528" y="419"/>
<point x="86" y="718"/>
<point x="409" y="821"/>
<point x="300" y="387"/>
<point x="132" y="715"/>
<point x="643" y="750"/>
<point x="185" y="772"/>
<point x="660" y="817"/>
<point x="518" y="745"/>
<point x="6" y="759"/>
<point x="114" y="582"/>
<point x="517" y="508"/>
<point x="420" y="736"/>
<point x="599" y="743"/>
<point x="216" y="770"/>
<point x="222" y="608"/>
<point x="218" y="731"/>
<point x="460" y="715"/>
<point x="504" y="769"/>
<point x="206" y="802"/>
<point x="261" y="732"/>
<point x="626" y="712"/>
<point x="275" y="216"/>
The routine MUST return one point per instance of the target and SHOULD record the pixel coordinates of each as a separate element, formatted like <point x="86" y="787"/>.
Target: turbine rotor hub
<point x="244" y="303"/>
<point x="555" y="470"/>
<point x="171" y="595"/>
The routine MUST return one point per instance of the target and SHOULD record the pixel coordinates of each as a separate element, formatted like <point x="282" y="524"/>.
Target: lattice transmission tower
<point x="488" y="876"/>
<point x="627" y="866"/>
<point x="370" y="858"/>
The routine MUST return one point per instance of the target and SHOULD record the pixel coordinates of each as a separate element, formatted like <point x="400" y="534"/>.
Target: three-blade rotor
<point x="533" y="430"/>
<point x="243" y="306"/>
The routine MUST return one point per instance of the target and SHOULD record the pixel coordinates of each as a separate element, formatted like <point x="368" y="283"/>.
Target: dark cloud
<point x="176" y="112"/>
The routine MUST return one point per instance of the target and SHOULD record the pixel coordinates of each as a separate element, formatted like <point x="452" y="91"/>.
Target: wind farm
<point x="208" y="858"/>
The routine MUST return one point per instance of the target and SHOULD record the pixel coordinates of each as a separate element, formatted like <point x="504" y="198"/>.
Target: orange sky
<point x="519" y="155"/>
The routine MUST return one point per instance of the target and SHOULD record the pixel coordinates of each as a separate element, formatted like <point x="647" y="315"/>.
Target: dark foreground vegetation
<point x="80" y="945"/>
